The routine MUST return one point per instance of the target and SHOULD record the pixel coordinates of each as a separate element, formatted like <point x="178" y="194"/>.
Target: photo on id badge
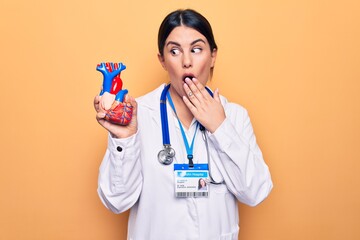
<point x="202" y="186"/>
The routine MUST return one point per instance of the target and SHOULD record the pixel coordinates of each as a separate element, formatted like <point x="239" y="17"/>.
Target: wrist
<point x="215" y="126"/>
<point x="122" y="134"/>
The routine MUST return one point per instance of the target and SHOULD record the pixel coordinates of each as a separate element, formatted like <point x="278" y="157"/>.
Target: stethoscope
<point x="167" y="154"/>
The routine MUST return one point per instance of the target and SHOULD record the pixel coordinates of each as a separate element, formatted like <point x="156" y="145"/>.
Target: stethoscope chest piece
<point x="166" y="156"/>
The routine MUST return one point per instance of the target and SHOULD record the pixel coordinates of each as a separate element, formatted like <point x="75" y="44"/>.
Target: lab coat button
<point x="119" y="149"/>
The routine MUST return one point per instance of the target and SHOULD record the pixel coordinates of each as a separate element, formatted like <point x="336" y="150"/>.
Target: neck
<point x="184" y="114"/>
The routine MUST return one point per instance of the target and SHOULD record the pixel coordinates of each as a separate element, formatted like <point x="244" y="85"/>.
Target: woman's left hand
<point x="207" y="110"/>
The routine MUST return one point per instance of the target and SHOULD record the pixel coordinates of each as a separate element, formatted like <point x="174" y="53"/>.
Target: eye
<point x="174" y="51"/>
<point x="196" y="50"/>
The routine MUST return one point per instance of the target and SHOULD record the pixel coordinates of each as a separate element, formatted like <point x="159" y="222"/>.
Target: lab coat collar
<point x="151" y="101"/>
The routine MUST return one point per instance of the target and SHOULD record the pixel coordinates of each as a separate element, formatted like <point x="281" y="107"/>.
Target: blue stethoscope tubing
<point x="167" y="154"/>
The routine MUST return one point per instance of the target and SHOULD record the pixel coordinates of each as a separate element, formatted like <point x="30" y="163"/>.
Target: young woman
<point x="202" y="184"/>
<point x="179" y="133"/>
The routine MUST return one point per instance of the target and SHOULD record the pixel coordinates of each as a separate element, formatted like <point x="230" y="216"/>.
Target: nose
<point x="187" y="61"/>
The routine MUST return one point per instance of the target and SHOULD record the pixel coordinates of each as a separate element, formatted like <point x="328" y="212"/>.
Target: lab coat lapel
<point x="152" y="102"/>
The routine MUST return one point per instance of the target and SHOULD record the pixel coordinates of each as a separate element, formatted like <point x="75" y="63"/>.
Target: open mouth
<point x="188" y="76"/>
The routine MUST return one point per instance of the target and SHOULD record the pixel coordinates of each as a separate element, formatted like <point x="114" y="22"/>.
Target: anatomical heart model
<point x="112" y="94"/>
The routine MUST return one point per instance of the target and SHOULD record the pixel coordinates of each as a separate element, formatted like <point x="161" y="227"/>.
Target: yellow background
<point x="293" y="64"/>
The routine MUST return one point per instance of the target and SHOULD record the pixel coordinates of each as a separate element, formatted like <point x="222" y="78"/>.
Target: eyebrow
<point x="192" y="43"/>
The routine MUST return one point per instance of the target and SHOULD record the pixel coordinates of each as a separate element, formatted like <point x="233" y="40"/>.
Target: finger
<point x="130" y="100"/>
<point x="190" y="94"/>
<point x="134" y="104"/>
<point x="197" y="88"/>
<point x="97" y="102"/>
<point x="217" y="95"/>
<point x="190" y="105"/>
<point x="103" y="122"/>
<point x="100" y="116"/>
<point x="192" y="87"/>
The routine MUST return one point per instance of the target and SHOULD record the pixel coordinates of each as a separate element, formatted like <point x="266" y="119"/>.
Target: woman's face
<point x="187" y="54"/>
<point x="202" y="182"/>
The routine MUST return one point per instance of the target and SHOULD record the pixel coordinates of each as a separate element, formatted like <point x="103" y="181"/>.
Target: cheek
<point x="205" y="63"/>
<point x="171" y="65"/>
<point x="204" y="74"/>
<point x="172" y="72"/>
<point x="173" y="69"/>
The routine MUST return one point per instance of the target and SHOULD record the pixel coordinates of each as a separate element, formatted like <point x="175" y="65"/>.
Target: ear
<point x="213" y="57"/>
<point x="162" y="61"/>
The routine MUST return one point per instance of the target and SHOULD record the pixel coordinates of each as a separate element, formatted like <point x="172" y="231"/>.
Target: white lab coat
<point x="131" y="176"/>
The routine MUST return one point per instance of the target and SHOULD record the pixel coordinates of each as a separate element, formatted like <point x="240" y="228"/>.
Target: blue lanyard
<point x="189" y="148"/>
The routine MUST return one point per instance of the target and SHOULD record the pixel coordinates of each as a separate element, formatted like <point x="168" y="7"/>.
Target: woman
<point x="163" y="204"/>
<point x="202" y="184"/>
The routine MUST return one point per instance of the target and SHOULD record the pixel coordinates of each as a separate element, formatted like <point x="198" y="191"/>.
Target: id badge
<point x="191" y="182"/>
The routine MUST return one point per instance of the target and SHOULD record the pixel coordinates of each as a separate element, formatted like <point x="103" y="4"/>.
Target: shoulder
<point x="151" y="100"/>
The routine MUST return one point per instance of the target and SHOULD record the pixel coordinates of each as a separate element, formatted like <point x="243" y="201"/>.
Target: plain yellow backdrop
<point x="294" y="65"/>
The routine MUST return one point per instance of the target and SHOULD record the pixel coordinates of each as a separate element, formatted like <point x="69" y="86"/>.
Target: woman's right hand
<point x="117" y="131"/>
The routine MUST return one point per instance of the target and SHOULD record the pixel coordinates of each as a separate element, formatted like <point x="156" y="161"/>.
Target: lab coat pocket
<point x="219" y="188"/>
<point x="231" y="236"/>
